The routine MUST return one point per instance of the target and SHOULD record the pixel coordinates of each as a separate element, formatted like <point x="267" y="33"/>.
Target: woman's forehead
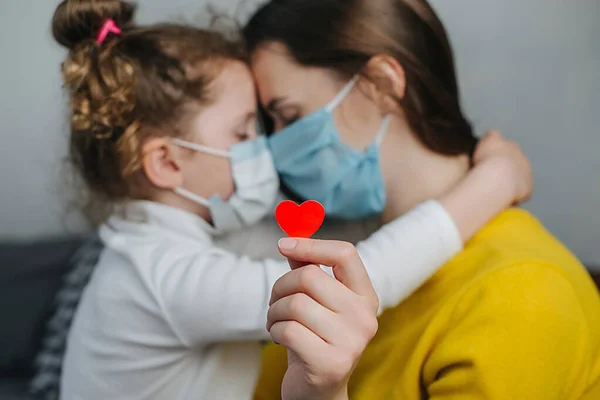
<point x="278" y="75"/>
<point x="272" y="62"/>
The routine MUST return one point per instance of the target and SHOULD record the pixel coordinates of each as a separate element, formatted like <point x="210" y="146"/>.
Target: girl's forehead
<point x="232" y="97"/>
<point x="234" y="80"/>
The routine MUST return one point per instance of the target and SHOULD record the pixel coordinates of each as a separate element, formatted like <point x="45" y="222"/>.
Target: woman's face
<point x="289" y="91"/>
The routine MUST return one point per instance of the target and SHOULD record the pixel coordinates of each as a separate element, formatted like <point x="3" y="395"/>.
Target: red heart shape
<point x="300" y="220"/>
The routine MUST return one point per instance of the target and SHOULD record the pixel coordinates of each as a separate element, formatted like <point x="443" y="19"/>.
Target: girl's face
<point x="230" y="118"/>
<point x="289" y="91"/>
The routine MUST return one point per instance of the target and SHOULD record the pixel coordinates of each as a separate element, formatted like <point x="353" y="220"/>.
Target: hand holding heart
<point x="324" y="322"/>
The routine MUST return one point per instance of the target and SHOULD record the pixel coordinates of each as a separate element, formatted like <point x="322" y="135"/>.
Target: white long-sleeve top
<point x="165" y="297"/>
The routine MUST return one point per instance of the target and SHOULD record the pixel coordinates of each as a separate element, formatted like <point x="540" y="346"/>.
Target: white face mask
<point x="256" y="182"/>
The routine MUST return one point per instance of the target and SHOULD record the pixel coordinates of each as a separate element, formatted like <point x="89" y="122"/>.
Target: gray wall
<point x="532" y="69"/>
<point x="528" y="67"/>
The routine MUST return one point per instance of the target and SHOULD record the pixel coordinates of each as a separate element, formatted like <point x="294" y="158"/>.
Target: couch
<point x="30" y="275"/>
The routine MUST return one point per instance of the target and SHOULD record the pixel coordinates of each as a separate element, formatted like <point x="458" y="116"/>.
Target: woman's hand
<point x="509" y="163"/>
<point x="324" y="322"/>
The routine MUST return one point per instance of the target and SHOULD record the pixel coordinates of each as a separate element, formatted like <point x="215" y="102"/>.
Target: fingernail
<point x="287" y="243"/>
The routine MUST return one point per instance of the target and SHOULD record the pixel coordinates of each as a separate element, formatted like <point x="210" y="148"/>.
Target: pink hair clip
<point x="109" y="26"/>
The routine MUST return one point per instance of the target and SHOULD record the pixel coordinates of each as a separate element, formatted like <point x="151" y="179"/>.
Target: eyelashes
<point x="289" y="121"/>
<point x="242" y="136"/>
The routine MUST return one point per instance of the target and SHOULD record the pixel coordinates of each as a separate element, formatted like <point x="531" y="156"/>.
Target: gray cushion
<point x="30" y="275"/>
<point x="14" y="389"/>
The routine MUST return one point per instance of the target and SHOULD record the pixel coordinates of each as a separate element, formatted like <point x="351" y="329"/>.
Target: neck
<point x="412" y="173"/>
<point x="172" y="199"/>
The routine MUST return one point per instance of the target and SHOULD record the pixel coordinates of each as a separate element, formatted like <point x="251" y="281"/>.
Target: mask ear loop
<point x="192" y="196"/>
<point x="342" y="94"/>
<point x="202" y="149"/>
<point x="383" y="130"/>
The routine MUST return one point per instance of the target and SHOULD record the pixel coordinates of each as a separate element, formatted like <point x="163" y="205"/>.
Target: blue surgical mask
<point x="316" y="164"/>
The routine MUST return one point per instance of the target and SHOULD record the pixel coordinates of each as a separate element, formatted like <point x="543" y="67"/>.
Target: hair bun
<point x="76" y="21"/>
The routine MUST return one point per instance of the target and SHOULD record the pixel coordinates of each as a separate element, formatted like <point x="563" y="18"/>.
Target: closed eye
<point x="242" y="136"/>
<point x="283" y="114"/>
<point x="289" y="121"/>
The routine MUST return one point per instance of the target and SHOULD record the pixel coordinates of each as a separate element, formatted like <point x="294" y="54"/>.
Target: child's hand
<point x="501" y="178"/>
<point x="507" y="162"/>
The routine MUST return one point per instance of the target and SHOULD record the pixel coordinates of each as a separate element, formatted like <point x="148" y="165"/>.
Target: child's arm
<point x="403" y="254"/>
<point x="502" y="176"/>
<point x="215" y="296"/>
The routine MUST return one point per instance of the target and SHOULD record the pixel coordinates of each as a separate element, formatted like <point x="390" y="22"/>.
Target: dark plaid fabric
<point x="48" y="364"/>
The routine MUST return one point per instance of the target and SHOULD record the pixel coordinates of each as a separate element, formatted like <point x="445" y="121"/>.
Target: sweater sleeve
<point x="218" y="296"/>
<point x="406" y="252"/>
<point x="519" y="333"/>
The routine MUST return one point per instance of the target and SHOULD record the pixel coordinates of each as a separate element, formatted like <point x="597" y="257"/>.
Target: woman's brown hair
<point x="128" y="88"/>
<point x="343" y="35"/>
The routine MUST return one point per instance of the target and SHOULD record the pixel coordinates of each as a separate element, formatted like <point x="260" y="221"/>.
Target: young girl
<point x="163" y="130"/>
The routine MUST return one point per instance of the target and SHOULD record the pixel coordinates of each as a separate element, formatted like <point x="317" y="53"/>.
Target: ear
<point x="161" y="163"/>
<point x="389" y="80"/>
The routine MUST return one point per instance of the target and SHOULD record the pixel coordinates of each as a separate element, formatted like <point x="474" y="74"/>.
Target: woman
<point x="365" y="104"/>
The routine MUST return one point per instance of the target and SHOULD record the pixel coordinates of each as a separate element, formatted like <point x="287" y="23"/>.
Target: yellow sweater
<point x="513" y="316"/>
